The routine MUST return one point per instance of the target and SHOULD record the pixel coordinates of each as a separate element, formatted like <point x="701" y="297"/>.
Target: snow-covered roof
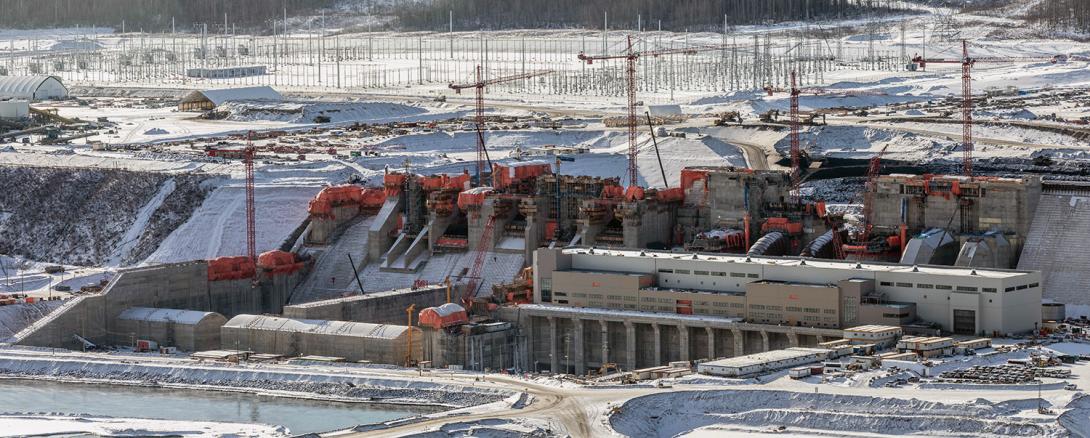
<point x="220" y="96"/>
<point x="338" y="328"/>
<point x="178" y="316"/>
<point x="736" y="260"/>
<point x="23" y="87"/>
<point x="448" y="309"/>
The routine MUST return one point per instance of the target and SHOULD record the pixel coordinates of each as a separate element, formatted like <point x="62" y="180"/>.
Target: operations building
<point x="881" y="335"/>
<point x="226" y="72"/>
<point x="205" y="100"/>
<point x="789" y="290"/>
<point x="32" y="88"/>
<point x="353" y="341"/>
<point x="753" y="364"/>
<point x="188" y="330"/>
<point x="927" y="346"/>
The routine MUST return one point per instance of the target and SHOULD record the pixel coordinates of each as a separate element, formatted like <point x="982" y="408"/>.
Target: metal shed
<point x="204" y="100"/>
<point x="188" y="330"/>
<point x="35" y="87"/>
<point x="354" y="341"/>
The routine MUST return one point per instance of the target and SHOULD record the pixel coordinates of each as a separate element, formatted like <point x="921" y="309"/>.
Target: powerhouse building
<point x="790" y="291"/>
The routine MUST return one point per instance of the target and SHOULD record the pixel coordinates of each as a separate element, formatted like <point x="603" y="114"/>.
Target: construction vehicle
<point x="728" y="117"/>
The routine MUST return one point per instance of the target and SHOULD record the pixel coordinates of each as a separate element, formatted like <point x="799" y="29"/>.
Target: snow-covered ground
<point x="22" y="425"/>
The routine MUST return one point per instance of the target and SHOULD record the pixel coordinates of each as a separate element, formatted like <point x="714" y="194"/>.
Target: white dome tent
<point x="39" y="87"/>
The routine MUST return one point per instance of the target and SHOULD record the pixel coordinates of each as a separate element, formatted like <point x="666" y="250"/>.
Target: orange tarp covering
<point x="230" y="268"/>
<point x="474" y="196"/>
<point x="504" y="175"/>
<point x="278" y="262"/>
<point x="612" y="192"/>
<point x="331" y="197"/>
<point x="671" y="195"/>
<point x="444" y="316"/>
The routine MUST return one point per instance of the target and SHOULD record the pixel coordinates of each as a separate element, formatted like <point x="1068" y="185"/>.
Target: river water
<point x="300" y="416"/>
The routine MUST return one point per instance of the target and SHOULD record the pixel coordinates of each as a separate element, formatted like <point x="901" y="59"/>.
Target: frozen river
<point x="300" y="416"/>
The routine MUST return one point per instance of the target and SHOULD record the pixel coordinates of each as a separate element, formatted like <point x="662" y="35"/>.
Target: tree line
<point x="149" y="15"/>
<point x="673" y="14"/>
<point x="1062" y="15"/>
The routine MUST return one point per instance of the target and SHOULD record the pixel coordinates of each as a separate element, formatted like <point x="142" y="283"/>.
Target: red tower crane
<point x="967" y="62"/>
<point x="873" y="171"/>
<point x="251" y="227"/>
<point x="480" y="84"/>
<point x="477" y="269"/>
<point x="631" y="56"/>
<point x="247" y="155"/>
<point x="796" y="151"/>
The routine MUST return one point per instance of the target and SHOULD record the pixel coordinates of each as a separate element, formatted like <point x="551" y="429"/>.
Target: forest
<point x="149" y="15"/>
<point x="673" y="14"/>
<point x="157" y="15"/>
<point x="1062" y="15"/>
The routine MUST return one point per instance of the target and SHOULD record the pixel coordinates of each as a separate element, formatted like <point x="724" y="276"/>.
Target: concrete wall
<point x="474" y="347"/>
<point x="375" y="308"/>
<point x="1007" y="205"/>
<point x="793" y="304"/>
<point x="172" y="286"/>
<point x="322" y="229"/>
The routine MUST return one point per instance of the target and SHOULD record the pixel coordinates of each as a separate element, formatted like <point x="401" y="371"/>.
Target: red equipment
<point x="480" y="85"/>
<point x="862" y="247"/>
<point x="967" y="64"/>
<point x="251" y="227"/>
<point x="478" y="263"/>
<point x="631" y="56"/>
<point x="279" y="262"/>
<point x="441" y="317"/>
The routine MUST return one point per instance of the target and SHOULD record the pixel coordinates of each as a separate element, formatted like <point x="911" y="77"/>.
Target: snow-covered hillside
<point x="90" y="216"/>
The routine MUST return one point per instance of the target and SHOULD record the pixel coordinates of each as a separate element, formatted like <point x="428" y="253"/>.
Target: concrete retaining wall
<point x="375" y="308"/>
<point x="171" y="286"/>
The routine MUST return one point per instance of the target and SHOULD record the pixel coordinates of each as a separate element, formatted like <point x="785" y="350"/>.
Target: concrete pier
<point x="562" y="341"/>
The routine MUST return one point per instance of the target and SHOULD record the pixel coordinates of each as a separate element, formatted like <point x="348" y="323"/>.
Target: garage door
<point x="964" y="322"/>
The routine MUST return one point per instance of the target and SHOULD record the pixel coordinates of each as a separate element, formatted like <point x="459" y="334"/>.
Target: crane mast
<point x="631" y="56"/>
<point x="479" y="86"/>
<point x="967" y="63"/>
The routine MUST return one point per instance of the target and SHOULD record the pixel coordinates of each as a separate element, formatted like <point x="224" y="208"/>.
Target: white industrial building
<point x="14" y="109"/>
<point x="36" y="87"/>
<point x="752" y="364"/>
<point x="961" y="300"/>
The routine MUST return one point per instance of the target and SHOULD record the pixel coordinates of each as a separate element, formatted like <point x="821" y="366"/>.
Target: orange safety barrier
<point x="230" y="268"/>
<point x="278" y="262"/>
<point x="444" y="316"/>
